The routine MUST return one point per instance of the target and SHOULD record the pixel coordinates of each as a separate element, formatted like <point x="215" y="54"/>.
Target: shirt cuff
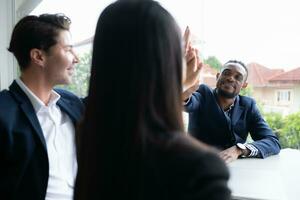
<point x="253" y="150"/>
<point x="186" y="101"/>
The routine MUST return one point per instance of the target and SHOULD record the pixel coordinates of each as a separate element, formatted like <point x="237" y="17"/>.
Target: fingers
<point x="193" y="72"/>
<point x="190" y="54"/>
<point x="226" y="157"/>
<point x="200" y="66"/>
<point x="193" y="62"/>
<point x="199" y="61"/>
<point x="193" y="59"/>
<point x="229" y="155"/>
<point x="187" y="38"/>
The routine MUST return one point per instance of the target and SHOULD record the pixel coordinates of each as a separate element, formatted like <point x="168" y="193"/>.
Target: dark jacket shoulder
<point x="5" y="96"/>
<point x="246" y="101"/>
<point x="187" y="148"/>
<point x="188" y="169"/>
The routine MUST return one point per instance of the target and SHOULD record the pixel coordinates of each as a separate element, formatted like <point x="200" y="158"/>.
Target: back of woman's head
<point x="134" y="93"/>
<point x="137" y="65"/>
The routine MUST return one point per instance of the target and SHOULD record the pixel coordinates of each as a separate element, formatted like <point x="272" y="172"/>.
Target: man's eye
<point x="226" y="73"/>
<point x="239" y="78"/>
<point x="69" y="48"/>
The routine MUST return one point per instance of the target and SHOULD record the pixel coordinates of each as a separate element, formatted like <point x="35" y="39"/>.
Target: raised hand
<point x="187" y="39"/>
<point x="194" y="67"/>
<point x="193" y="62"/>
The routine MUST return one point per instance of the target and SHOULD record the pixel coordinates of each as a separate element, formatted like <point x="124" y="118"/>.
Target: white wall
<point x="296" y="107"/>
<point x="10" y="12"/>
<point x="25" y="7"/>
<point x="7" y="18"/>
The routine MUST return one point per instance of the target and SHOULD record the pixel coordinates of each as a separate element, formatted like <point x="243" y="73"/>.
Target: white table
<point x="274" y="178"/>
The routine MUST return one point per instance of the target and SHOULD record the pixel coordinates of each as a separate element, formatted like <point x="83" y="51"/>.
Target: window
<point x="222" y="30"/>
<point x="283" y="96"/>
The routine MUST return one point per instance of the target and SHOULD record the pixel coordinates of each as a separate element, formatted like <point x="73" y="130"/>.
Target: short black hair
<point x="36" y="32"/>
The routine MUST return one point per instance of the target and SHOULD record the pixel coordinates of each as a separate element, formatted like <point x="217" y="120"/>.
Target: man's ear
<point x="217" y="75"/>
<point x="37" y="56"/>
<point x="245" y="85"/>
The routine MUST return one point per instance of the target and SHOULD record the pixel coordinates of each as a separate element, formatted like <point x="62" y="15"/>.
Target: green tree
<point x="81" y="76"/>
<point x="290" y="134"/>
<point x="213" y="62"/>
<point x="248" y="91"/>
<point x="286" y="128"/>
<point x="275" y="121"/>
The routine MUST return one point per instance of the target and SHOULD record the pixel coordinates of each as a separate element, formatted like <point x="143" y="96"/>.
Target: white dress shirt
<point x="59" y="133"/>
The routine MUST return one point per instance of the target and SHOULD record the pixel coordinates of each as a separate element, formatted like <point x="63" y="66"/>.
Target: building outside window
<point x="283" y="96"/>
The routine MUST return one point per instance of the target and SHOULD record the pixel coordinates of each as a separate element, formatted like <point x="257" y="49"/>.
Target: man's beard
<point x="225" y="94"/>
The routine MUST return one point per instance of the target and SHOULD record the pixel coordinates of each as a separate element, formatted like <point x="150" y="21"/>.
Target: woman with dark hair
<point x="131" y="143"/>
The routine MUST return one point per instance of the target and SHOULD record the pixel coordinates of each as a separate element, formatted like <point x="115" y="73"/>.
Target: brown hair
<point x="36" y="32"/>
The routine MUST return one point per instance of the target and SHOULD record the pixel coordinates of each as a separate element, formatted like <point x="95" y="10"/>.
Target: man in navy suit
<point x="37" y="122"/>
<point x="223" y="118"/>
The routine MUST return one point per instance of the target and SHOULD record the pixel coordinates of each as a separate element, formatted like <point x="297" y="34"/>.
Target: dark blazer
<point x="24" y="167"/>
<point x="183" y="169"/>
<point x="208" y="123"/>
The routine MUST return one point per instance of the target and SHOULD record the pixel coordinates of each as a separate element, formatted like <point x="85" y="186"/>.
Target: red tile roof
<point x="292" y="75"/>
<point x="260" y="75"/>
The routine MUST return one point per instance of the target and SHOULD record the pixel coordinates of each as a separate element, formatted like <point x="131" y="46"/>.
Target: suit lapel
<point x="68" y="107"/>
<point x="220" y="112"/>
<point x="28" y="110"/>
<point x="30" y="114"/>
<point x="237" y="111"/>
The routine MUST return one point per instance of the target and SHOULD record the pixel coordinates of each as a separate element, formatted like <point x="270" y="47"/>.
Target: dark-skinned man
<point x="223" y="118"/>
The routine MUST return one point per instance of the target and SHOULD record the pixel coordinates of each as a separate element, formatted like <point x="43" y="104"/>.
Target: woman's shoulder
<point x="188" y="148"/>
<point x="195" y="167"/>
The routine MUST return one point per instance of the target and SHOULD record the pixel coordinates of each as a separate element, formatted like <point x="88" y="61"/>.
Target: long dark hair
<point x="134" y="97"/>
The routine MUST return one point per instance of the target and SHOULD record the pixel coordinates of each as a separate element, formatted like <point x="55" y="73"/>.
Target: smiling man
<point x="223" y="118"/>
<point x="37" y="122"/>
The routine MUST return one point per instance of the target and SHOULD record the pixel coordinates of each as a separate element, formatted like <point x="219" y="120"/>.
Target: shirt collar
<point x="35" y="101"/>
<point x="230" y="107"/>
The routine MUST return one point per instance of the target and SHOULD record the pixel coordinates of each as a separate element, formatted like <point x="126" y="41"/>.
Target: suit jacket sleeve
<point x="264" y="139"/>
<point x="195" y="102"/>
<point x="6" y="169"/>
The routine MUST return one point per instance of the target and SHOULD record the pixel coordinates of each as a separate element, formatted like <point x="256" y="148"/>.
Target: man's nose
<point x="76" y="58"/>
